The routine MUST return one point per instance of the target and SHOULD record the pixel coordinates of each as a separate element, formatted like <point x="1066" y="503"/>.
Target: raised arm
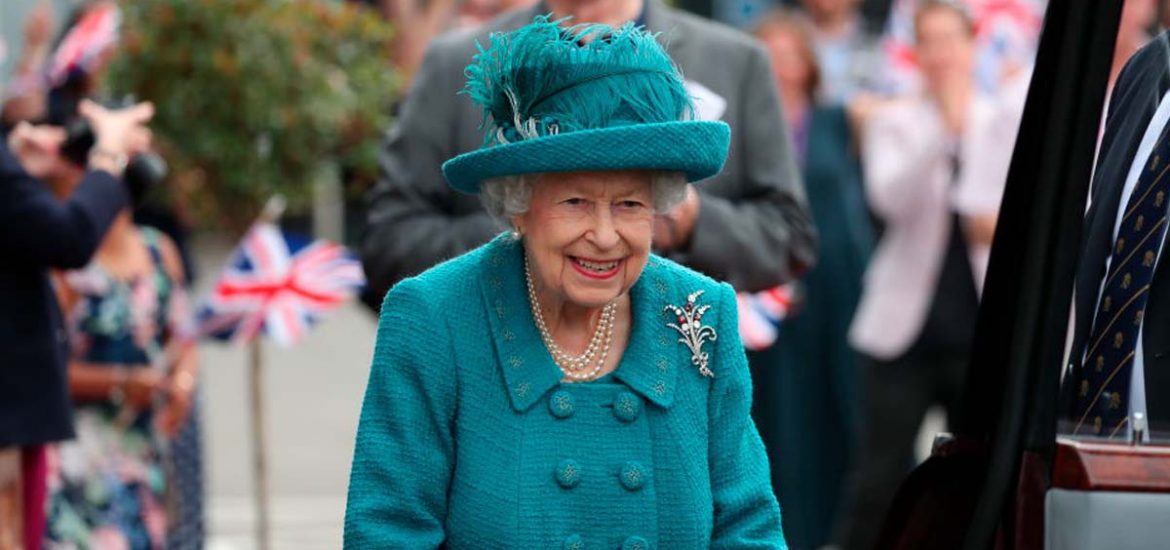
<point x="36" y="228"/>
<point x="39" y="230"/>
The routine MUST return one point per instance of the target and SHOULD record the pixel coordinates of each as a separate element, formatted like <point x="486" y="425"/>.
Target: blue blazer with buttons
<point x="469" y="439"/>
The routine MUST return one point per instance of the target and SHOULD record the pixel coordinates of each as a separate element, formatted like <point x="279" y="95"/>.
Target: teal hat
<point x="583" y="98"/>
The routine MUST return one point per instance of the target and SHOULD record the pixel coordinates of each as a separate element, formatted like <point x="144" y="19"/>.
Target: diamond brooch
<point x="694" y="333"/>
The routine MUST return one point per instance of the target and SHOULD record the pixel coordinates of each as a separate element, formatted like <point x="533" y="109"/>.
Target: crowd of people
<point x="780" y="158"/>
<point x="100" y="380"/>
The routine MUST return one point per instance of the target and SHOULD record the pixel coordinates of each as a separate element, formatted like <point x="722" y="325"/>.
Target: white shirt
<point x="910" y="184"/>
<point x="1137" y="381"/>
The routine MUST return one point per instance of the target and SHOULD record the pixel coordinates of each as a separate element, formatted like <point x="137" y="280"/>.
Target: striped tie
<point x="1102" y="400"/>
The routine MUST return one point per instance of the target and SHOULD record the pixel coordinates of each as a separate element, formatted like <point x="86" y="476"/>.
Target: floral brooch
<point x="693" y="332"/>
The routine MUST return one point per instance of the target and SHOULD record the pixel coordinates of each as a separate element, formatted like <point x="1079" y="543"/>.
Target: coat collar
<point x="650" y="360"/>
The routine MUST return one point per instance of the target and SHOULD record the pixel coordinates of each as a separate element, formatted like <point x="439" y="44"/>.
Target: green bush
<point x="253" y="97"/>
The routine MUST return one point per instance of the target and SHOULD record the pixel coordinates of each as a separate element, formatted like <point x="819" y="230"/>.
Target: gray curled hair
<point x="508" y="196"/>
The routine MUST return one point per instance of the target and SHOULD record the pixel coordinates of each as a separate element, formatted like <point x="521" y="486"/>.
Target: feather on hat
<point x="576" y="78"/>
<point x="563" y="94"/>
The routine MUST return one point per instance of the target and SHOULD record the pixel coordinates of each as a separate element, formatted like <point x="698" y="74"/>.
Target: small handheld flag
<point x="760" y="314"/>
<point x="85" y="42"/>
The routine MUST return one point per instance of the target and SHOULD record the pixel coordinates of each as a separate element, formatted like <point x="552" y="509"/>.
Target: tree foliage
<point x="254" y="96"/>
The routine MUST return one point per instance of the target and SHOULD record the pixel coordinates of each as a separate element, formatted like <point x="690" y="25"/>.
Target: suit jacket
<point x="1140" y="87"/>
<point x="39" y="232"/>
<point x="908" y="179"/>
<point x="469" y="439"/>
<point x="753" y="228"/>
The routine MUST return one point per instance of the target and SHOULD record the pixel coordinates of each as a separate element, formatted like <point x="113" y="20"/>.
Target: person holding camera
<point x="39" y="232"/>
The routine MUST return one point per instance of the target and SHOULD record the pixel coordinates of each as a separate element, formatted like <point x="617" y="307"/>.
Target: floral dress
<point x="107" y="488"/>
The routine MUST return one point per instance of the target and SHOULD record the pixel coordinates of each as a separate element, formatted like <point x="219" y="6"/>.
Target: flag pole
<point x="271" y="214"/>
<point x="259" y="446"/>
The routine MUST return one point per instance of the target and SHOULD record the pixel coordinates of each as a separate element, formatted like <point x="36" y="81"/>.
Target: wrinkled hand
<point x="36" y="147"/>
<point x="673" y="229"/>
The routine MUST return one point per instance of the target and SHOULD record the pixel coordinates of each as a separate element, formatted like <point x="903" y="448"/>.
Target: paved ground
<point x="313" y="395"/>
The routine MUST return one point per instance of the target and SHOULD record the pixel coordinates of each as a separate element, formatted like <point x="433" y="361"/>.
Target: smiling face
<point x="587" y="235"/>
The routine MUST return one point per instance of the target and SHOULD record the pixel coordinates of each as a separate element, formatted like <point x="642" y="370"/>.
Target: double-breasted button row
<point x="626" y="406"/>
<point x="632" y="475"/>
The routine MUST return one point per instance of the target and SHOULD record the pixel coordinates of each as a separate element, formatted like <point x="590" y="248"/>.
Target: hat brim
<point x="698" y="149"/>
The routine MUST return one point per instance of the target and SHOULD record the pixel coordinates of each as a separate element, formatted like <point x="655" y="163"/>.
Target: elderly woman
<point x="561" y="387"/>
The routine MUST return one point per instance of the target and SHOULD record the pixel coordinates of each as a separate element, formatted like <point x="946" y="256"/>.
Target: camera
<point x="144" y="171"/>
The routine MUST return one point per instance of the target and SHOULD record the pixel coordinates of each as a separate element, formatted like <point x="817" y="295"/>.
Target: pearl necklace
<point x="574" y="366"/>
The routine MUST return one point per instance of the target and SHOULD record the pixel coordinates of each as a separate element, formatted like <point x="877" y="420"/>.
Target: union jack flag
<point x="1007" y="33"/>
<point x="279" y="285"/>
<point x="85" y="42"/>
<point x="760" y="314"/>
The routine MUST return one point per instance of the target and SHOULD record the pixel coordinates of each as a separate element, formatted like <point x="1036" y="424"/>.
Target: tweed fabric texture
<point x="698" y="149"/>
<point x="469" y="439"/>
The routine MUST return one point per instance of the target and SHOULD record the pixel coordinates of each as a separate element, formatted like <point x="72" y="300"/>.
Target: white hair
<point x="508" y="196"/>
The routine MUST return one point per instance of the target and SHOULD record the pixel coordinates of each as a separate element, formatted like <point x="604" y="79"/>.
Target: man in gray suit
<point x="748" y="226"/>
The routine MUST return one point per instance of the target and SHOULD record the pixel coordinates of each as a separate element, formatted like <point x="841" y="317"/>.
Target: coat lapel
<point x="1122" y="138"/>
<point x="1132" y="105"/>
<point x="528" y="369"/>
<point x="650" y="363"/>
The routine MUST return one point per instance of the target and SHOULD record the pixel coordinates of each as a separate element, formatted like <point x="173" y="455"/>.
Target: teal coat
<point x="469" y="439"/>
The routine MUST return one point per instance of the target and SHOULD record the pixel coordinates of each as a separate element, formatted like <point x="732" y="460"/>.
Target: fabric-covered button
<point x="626" y="406"/>
<point x="635" y="543"/>
<point x="632" y="476"/>
<point x="568" y="473"/>
<point x="574" y="542"/>
<point x="560" y="404"/>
